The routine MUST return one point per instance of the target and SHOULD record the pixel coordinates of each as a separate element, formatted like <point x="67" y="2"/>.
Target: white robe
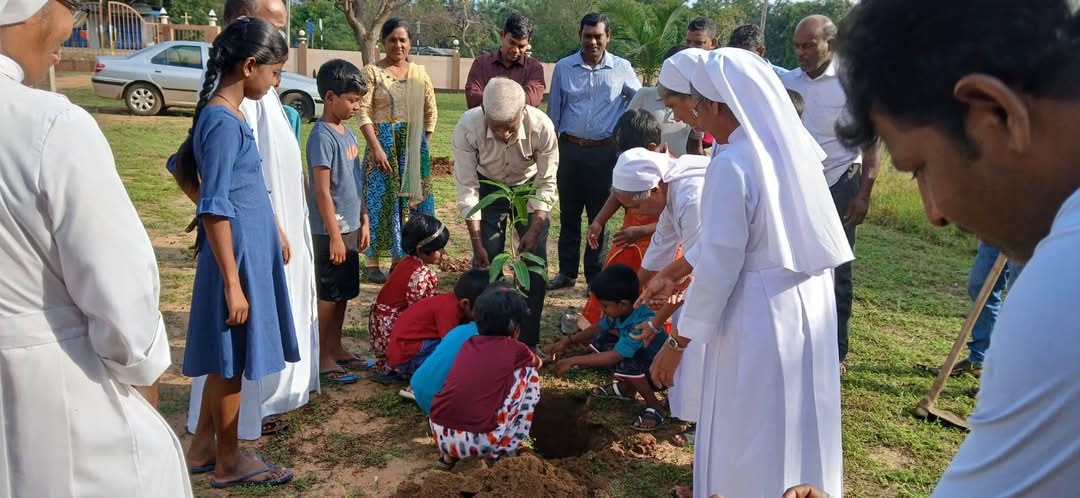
<point x="770" y="386"/>
<point x="283" y="170"/>
<point x="79" y="319"/>
<point x="1025" y="430"/>
<point x="680" y="223"/>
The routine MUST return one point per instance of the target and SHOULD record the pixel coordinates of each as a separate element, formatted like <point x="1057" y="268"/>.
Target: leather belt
<point x="587" y="143"/>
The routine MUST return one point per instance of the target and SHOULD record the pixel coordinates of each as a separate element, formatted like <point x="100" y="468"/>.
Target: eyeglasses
<point x="79" y="10"/>
<point x="694" y="110"/>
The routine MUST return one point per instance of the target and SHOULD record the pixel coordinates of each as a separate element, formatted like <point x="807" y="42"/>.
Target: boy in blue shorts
<point x="339" y="221"/>
<point x="617" y="288"/>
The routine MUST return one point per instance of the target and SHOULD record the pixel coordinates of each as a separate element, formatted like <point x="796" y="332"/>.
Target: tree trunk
<point x="369" y="46"/>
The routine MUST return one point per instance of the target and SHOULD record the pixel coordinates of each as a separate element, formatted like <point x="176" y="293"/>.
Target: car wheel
<point x="143" y="99"/>
<point x="301" y="103"/>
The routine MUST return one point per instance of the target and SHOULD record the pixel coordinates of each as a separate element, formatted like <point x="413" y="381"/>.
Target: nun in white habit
<point x="79" y="320"/>
<point x="762" y="300"/>
<point x="654" y="184"/>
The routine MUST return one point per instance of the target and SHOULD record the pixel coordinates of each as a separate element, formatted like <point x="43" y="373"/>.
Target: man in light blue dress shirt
<point x="590" y="90"/>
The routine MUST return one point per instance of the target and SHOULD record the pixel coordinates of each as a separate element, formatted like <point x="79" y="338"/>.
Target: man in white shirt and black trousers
<point x="850" y="172"/>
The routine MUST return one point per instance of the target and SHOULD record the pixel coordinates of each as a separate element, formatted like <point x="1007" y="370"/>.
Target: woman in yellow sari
<point x="397" y="117"/>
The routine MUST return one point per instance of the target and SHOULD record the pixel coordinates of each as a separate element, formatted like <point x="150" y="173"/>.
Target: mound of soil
<point x="525" y="475"/>
<point x="455" y="265"/>
<point x="442" y="166"/>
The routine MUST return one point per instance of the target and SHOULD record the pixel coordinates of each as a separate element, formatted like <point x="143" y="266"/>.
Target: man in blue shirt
<point x="590" y="90"/>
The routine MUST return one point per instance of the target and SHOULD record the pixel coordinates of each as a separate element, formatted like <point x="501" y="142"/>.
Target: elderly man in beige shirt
<point x="508" y="142"/>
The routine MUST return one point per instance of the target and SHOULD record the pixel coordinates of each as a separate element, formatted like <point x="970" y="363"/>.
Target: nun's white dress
<point x="79" y="319"/>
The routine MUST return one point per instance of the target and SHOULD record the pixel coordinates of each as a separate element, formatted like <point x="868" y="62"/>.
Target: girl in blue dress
<point x="240" y="322"/>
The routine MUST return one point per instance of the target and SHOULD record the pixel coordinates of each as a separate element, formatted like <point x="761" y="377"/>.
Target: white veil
<point x="804" y="231"/>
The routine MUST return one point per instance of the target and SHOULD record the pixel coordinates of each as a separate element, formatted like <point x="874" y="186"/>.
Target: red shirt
<point x="478" y="383"/>
<point x="526" y="71"/>
<point x="431" y="318"/>
<point x="395" y="293"/>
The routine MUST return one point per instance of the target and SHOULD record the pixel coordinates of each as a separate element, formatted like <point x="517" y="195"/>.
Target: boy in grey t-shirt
<point x="339" y="221"/>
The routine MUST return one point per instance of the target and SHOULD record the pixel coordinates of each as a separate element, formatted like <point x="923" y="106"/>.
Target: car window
<point x="180" y="56"/>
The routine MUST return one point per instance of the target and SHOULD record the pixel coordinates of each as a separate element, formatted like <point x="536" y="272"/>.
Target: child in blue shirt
<point x="613" y="344"/>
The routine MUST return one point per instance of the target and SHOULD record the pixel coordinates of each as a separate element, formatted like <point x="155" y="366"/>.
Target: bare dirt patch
<point x="442" y="166"/>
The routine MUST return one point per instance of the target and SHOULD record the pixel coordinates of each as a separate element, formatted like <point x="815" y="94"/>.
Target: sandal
<point x="246" y="480"/>
<point x="273" y="424"/>
<point x="356" y="363"/>
<point x="608" y="392"/>
<point x="651" y="414"/>
<point x="202" y="469"/>
<point x="339" y="377"/>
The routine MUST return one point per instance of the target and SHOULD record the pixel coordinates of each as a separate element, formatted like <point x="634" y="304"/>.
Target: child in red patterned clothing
<point x="423" y="240"/>
<point x="485" y="408"/>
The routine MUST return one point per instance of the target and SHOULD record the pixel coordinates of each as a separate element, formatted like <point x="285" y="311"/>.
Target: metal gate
<point x="123" y="27"/>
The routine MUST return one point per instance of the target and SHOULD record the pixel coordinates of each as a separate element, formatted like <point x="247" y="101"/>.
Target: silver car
<point x="170" y="74"/>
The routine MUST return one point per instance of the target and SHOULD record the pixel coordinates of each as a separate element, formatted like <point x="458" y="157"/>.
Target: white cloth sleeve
<point x="106" y="258"/>
<point x="719" y="253"/>
<point x="466" y="176"/>
<point x="664" y="245"/>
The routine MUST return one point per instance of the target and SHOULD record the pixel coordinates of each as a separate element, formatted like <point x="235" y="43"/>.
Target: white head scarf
<point x="16" y="11"/>
<point x="676" y="72"/>
<point x="804" y="230"/>
<point x="639" y="169"/>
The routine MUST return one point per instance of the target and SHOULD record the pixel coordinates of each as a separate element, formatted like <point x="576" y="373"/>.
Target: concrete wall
<point x="440" y="69"/>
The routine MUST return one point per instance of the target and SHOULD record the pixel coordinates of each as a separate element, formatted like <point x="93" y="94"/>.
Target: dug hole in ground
<point x="566" y="447"/>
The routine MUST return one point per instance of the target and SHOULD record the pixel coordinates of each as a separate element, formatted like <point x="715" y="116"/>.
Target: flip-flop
<point x="339" y="377"/>
<point x="407" y="394"/>
<point x="274" y="426"/>
<point x="246" y="479"/>
<point x="442" y="464"/>
<point x="202" y="469"/>
<point x="356" y="363"/>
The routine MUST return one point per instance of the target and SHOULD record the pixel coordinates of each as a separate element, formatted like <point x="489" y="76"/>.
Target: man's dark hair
<point x="636" y="128"/>
<point x="672" y="51"/>
<point x="702" y="24"/>
<point x="747" y="37"/>
<point x="499" y="310"/>
<point x="616" y="283"/>
<point x="471" y="284"/>
<point x="340" y="76"/>
<point x="797" y="101"/>
<point x="235" y="9"/>
<point x="518" y="27"/>
<point x="894" y="62"/>
<point x="595" y="19"/>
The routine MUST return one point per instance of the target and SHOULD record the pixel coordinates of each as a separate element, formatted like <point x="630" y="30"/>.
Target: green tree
<point x="728" y="14"/>
<point x="335" y="34"/>
<point x="366" y="18"/>
<point x="785" y="15"/>
<point x="198" y="10"/>
<point x="643" y="33"/>
<point x="555" y="27"/>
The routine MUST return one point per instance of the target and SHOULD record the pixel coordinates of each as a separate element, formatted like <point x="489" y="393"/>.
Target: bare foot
<point x="201" y="452"/>
<point x="245" y="466"/>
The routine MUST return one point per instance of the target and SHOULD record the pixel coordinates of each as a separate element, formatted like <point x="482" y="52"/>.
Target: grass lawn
<point x="363" y="440"/>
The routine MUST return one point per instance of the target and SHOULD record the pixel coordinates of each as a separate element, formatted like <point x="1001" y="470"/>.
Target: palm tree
<point x="643" y="33"/>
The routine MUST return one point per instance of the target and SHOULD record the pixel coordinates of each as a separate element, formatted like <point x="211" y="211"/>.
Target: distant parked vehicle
<point x="170" y="74"/>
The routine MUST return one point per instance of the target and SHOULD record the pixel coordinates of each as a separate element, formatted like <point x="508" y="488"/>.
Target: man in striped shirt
<point x="590" y="90"/>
